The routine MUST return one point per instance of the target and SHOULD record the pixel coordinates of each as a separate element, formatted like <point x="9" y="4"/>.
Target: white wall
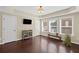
<point x="35" y="26"/>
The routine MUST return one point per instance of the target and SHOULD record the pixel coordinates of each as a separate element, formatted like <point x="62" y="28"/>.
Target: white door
<point x="9" y="26"/>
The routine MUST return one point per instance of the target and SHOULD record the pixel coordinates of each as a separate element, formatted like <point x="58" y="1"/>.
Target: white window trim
<point x="72" y="24"/>
<point x="42" y="26"/>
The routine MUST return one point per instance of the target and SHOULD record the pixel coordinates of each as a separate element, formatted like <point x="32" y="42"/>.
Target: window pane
<point x="54" y="29"/>
<point x="53" y="26"/>
<point x="54" y="23"/>
<point x="66" y="30"/>
<point x="66" y="20"/>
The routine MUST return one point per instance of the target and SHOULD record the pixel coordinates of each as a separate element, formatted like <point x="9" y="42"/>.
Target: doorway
<point x="9" y="28"/>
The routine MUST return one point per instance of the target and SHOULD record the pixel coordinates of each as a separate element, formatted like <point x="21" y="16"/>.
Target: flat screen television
<point x="27" y="21"/>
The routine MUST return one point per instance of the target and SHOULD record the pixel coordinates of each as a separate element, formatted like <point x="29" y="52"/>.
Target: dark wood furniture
<point x="54" y="36"/>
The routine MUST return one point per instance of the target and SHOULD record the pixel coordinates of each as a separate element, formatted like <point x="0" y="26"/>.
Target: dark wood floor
<point x="38" y="44"/>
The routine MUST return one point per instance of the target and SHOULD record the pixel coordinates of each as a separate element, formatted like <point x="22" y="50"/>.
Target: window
<point x="44" y="26"/>
<point x="53" y="25"/>
<point x="66" y="26"/>
<point x="62" y="25"/>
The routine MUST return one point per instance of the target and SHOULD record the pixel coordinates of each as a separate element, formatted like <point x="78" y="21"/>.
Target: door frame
<point x="3" y="30"/>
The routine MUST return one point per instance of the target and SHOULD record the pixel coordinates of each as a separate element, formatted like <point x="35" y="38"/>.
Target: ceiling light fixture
<point x="40" y="9"/>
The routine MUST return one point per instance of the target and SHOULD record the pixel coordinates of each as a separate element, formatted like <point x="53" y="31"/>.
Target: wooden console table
<point x="26" y="34"/>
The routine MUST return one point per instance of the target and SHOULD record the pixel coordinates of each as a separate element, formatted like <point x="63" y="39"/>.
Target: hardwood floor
<point x="38" y="44"/>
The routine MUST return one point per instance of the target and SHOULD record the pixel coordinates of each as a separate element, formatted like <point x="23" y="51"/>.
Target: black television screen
<point x="27" y="21"/>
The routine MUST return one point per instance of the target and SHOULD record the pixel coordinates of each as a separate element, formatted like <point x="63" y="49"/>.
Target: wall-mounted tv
<point x="27" y="21"/>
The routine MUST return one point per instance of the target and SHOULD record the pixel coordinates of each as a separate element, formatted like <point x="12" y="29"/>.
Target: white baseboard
<point x="76" y="43"/>
<point x="33" y="36"/>
<point x="0" y="41"/>
<point x="19" y="39"/>
<point x="9" y="42"/>
<point x="3" y="43"/>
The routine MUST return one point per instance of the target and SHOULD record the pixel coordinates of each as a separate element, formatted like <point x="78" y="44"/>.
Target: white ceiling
<point x="47" y="9"/>
<point x="33" y="9"/>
